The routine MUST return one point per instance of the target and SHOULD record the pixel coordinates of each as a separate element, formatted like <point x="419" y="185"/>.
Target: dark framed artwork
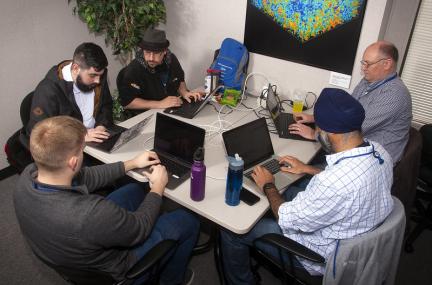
<point x="319" y="33"/>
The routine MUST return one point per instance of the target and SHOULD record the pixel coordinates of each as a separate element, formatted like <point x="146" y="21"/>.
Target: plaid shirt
<point x="388" y="113"/>
<point x="350" y="197"/>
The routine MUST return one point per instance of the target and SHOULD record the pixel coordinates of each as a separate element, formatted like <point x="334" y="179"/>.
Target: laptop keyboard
<point x="173" y="167"/>
<point x="271" y="165"/>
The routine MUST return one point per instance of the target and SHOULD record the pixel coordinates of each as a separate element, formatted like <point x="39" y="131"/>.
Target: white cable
<point x="216" y="178"/>
<point x="250" y="75"/>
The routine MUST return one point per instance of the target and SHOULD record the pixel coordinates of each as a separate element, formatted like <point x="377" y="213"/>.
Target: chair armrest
<point x="154" y="255"/>
<point x="291" y="246"/>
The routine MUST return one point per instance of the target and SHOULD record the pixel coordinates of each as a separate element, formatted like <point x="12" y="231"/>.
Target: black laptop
<point x="190" y="110"/>
<point x="282" y="120"/>
<point x="119" y="136"/>
<point x="253" y="143"/>
<point x="175" y="143"/>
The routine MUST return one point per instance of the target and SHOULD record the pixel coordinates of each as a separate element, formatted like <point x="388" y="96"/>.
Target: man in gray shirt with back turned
<point x="384" y="97"/>
<point x="66" y="225"/>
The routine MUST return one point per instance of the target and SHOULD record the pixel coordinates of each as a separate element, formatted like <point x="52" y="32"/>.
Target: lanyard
<point x="373" y="152"/>
<point x="370" y="89"/>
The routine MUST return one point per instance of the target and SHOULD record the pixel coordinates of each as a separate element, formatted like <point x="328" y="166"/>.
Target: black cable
<point x="306" y="106"/>
<point x="314" y="101"/>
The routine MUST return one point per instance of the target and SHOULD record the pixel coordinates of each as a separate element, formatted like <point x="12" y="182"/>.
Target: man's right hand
<point x="302" y="130"/>
<point x="158" y="178"/>
<point x="98" y="134"/>
<point x="170" y="101"/>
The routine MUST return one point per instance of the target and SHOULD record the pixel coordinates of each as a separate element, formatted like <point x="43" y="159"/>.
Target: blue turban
<point x="336" y="111"/>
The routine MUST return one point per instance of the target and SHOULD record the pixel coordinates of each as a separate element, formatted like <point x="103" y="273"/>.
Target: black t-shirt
<point x="135" y="81"/>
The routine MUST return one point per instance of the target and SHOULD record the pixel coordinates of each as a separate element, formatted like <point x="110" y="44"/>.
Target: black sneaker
<point x="189" y="276"/>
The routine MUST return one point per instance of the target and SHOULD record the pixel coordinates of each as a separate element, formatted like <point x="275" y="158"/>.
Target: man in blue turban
<point x="336" y="203"/>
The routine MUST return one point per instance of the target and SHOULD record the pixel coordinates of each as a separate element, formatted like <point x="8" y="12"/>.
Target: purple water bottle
<point x="198" y="176"/>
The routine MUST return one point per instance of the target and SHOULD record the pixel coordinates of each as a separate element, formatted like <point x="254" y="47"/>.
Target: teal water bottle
<point x="234" y="180"/>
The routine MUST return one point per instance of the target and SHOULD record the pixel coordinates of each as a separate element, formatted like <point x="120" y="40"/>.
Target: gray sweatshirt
<point x="68" y="226"/>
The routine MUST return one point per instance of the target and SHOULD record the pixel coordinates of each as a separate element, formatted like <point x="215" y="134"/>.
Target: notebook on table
<point x="119" y="136"/>
<point x="175" y="142"/>
<point x="190" y="110"/>
<point x="252" y="142"/>
<point x="282" y="120"/>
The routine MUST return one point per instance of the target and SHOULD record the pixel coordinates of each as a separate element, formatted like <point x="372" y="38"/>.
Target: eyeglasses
<point x="368" y="64"/>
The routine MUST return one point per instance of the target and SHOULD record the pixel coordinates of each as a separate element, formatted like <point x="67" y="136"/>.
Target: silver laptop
<point x="190" y="110"/>
<point x="252" y="142"/>
<point x="118" y="139"/>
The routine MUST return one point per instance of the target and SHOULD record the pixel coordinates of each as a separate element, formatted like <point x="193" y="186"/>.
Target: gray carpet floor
<point x="19" y="266"/>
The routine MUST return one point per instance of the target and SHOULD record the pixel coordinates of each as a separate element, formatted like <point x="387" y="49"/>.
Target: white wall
<point x="196" y="28"/>
<point x="35" y="35"/>
<point x="38" y="34"/>
<point x="401" y="16"/>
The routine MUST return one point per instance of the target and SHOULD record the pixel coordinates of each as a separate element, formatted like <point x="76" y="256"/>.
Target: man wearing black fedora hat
<point x="155" y="78"/>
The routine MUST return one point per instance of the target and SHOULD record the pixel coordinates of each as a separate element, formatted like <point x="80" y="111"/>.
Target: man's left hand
<point x="189" y="95"/>
<point x="262" y="176"/>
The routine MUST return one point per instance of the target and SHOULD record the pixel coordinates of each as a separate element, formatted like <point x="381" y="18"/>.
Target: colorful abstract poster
<point x="320" y="33"/>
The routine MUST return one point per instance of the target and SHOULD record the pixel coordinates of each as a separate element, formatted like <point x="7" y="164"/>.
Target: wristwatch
<point x="268" y="185"/>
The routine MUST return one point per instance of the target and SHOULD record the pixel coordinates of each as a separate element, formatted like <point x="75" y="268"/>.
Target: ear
<point x="388" y="64"/>
<point x="75" y="68"/>
<point x="73" y="163"/>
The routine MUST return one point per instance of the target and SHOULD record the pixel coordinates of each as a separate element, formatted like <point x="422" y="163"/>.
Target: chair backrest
<point x="426" y="157"/>
<point x="371" y="258"/>
<point x="405" y="173"/>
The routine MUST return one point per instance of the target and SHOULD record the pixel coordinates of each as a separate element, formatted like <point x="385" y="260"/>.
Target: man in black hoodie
<point x="76" y="88"/>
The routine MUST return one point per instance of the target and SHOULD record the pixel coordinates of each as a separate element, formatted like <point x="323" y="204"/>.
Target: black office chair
<point x="17" y="146"/>
<point x="406" y="171"/>
<point x="149" y="264"/>
<point x="423" y="201"/>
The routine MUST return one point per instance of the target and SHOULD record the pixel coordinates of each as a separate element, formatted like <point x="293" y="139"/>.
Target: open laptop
<point x="119" y="136"/>
<point x="190" y="110"/>
<point x="252" y="142"/>
<point x="175" y="143"/>
<point x="282" y="120"/>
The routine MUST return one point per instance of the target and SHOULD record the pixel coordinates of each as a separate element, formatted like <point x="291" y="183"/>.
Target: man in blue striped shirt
<point x="349" y="197"/>
<point x="384" y="97"/>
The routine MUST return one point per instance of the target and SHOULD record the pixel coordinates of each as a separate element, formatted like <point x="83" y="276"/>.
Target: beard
<point x="325" y="142"/>
<point x="84" y="87"/>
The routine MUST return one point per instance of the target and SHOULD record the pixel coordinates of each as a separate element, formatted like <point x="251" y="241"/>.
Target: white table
<point x="239" y="219"/>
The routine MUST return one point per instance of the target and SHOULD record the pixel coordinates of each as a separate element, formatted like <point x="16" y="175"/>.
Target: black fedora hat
<point x="154" y="40"/>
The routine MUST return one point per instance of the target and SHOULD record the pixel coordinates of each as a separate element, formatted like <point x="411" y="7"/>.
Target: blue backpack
<point x="232" y="60"/>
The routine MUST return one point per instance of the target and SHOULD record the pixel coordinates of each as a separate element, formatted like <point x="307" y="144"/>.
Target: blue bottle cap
<point x="236" y="161"/>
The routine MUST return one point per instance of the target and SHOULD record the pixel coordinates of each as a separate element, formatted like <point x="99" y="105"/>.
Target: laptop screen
<point x="251" y="141"/>
<point x="272" y="103"/>
<point x="177" y="138"/>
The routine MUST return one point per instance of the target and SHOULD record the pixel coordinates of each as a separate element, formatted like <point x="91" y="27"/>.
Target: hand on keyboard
<point x="262" y="176"/>
<point x="292" y="165"/>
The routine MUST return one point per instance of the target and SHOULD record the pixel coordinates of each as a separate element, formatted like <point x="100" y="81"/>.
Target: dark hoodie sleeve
<point x="104" y="115"/>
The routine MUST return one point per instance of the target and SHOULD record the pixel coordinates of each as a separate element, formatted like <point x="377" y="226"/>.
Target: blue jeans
<point x="178" y="225"/>
<point x="235" y="248"/>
